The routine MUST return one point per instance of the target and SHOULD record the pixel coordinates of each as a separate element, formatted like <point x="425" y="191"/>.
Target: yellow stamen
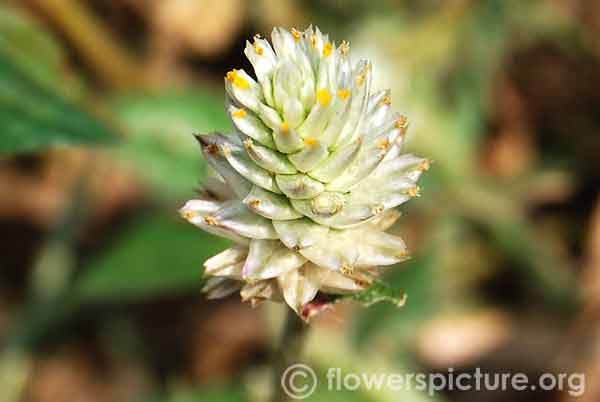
<point x="285" y="127"/>
<point x="237" y="80"/>
<point x="248" y="143"/>
<point x="189" y="215"/>
<point x="296" y="34"/>
<point x="345" y="47"/>
<point x="257" y="47"/>
<point x="240" y="113"/>
<point x="311" y="142"/>
<point x="424" y="165"/>
<point x="387" y="100"/>
<point x="360" y="79"/>
<point x="344" y="94"/>
<point x="327" y="49"/>
<point x="324" y="96"/>
<point x="363" y="75"/>
<point x="211" y="220"/>
<point x="401" y="123"/>
<point x="414" y="192"/>
<point x="347" y="269"/>
<point x="384" y="144"/>
<point x="313" y="41"/>
<point x="377" y="209"/>
<point x="231" y="75"/>
<point x="254" y="204"/>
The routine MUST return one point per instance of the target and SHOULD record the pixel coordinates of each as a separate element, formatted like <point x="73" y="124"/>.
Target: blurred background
<point x="100" y="278"/>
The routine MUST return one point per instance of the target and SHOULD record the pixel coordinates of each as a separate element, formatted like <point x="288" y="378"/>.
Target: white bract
<point x="308" y="182"/>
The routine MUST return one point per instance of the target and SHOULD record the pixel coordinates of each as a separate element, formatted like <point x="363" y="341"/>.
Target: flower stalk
<point x="288" y="352"/>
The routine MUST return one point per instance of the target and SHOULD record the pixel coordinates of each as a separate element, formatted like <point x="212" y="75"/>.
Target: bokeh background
<point x="100" y="278"/>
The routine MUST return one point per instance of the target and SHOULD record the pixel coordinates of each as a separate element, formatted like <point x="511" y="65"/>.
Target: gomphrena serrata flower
<point x="308" y="182"/>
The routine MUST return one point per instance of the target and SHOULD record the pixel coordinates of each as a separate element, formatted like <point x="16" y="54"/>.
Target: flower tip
<point x="414" y="192"/>
<point x="425" y="165"/>
<point x="211" y="220"/>
<point x="296" y="34"/>
<point x="200" y="138"/>
<point x="186" y="213"/>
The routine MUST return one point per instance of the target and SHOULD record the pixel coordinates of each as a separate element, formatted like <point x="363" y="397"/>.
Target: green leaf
<point x="32" y="48"/>
<point x="416" y="278"/>
<point x="156" y="255"/>
<point x="160" y="145"/>
<point x="34" y="118"/>
<point x="378" y="292"/>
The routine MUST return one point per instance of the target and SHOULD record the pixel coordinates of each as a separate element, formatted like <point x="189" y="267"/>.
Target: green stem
<point x="288" y="352"/>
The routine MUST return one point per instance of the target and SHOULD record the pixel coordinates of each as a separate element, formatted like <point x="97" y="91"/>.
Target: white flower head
<point x="307" y="184"/>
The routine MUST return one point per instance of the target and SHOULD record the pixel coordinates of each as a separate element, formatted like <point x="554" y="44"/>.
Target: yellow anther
<point x="313" y="41"/>
<point x="344" y="94"/>
<point x="189" y="215"/>
<point x="231" y="75"/>
<point x="384" y="144"/>
<point x="237" y="80"/>
<point x="311" y="142"/>
<point x="254" y="204"/>
<point x="377" y="209"/>
<point x="414" y="192"/>
<point x="324" y="96"/>
<point x="240" y="113"/>
<point x="401" y="123"/>
<point x="327" y="49"/>
<point x="423" y="166"/>
<point x="296" y="34"/>
<point x="212" y="149"/>
<point x="347" y="269"/>
<point x="257" y="47"/>
<point x="211" y="220"/>
<point x="387" y="100"/>
<point x="345" y="47"/>
<point x="285" y="127"/>
<point x="248" y="143"/>
<point x="360" y="79"/>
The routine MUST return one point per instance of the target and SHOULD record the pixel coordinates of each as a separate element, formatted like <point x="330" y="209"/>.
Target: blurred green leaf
<point x="34" y="118"/>
<point x="33" y="49"/>
<point x="154" y="256"/>
<point x="160" y="144"/>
